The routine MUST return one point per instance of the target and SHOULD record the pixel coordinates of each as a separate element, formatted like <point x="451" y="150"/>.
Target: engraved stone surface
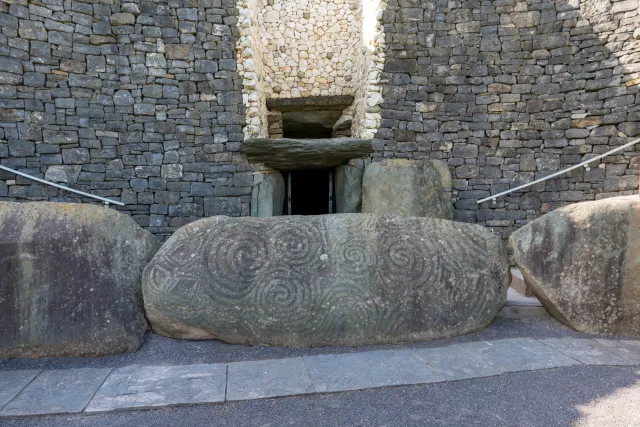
<point x="583" y="263"/>
<point x="345" y="279"/>
<point x="293" y="154"/>
<point x="371" y="369"/>
<point x="407" y="188"/>
<point x="70" y="280"/>
<point x="140" y="387"/>
<point x="57" y="392"/>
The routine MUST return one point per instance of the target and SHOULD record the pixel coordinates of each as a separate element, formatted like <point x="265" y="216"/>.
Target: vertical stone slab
<point x="267" y="197"/>
<point x="348" y="189"/>
<point x="407" y="188"/>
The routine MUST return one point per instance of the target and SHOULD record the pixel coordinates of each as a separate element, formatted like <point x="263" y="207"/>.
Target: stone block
<point x="144" y="387"/>
<point x="407" y="188"/>
<point x="348" y="189"/>
<point x="87" y="307"/>
<point x="325" y="280"/>
<point x="65" y="174"/>
<point x="267" y="197"/>
<point x="604" y="274"/>
<point x="228" y="206"/>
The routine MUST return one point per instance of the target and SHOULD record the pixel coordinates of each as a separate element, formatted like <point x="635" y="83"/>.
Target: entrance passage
<point x="309" y="192"/>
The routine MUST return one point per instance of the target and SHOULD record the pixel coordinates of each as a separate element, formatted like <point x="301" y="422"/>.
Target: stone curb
<point x="91" y="391"/>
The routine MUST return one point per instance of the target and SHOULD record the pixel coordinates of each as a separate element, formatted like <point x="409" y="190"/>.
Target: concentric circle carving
<point x="233" y="256"/>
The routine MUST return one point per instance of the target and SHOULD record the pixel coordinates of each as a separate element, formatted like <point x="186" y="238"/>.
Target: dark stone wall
<point x="136" y="101"/>
<point x="509" y="91"/>
<point x="141" y="102"/>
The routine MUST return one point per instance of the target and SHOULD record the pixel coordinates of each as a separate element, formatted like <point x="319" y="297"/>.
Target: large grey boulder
<point x="70" y="280"/>
<point x="346" y="279"/>
<point x="583" y="263"/>
<point x="407" y="188"/>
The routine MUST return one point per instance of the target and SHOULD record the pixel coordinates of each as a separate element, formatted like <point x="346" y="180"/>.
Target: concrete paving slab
<point x="268" y="378"/>
<point x="143" y="387"/>
<point x="57" y="392"/>
<point x="456" y="364"/>
<point x="12" y="383"/>
<point x="587" y="351"/>
<point x="371" y="369"/>
<point x="630" y="350"/>
<point x="518" y="354"/>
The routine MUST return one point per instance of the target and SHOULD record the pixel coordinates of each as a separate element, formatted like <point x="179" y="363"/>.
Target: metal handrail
<point x="105" y="200"/>
<point x="553" y="175"/>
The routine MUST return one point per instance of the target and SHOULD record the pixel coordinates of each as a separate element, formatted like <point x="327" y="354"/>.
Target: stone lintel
<point x="310" y="103"/>
<point x="294" y="154"/>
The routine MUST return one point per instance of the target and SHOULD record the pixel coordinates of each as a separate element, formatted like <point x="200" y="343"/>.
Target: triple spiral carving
<point x="321" y="280"/>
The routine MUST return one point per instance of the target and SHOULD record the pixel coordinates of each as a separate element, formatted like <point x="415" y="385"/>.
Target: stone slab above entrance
<point x="294" y="154"/>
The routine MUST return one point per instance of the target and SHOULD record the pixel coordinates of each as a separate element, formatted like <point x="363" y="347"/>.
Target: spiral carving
<point x="343" y="279"/>
<point x="351" y="312"/>
<point x="298" y="243"/>
<point x="285" y="301"/>
<point x="356" y="258"/>
<point x="234" y="257"/>
<point x="404" y="260"/>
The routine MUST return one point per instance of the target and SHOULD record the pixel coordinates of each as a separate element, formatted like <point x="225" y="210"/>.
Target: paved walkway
<point x="91" y="390"/>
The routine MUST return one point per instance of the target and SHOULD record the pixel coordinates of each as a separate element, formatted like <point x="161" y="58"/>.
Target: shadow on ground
<point x="158" y="350"/>
<point x="543" y="398"/>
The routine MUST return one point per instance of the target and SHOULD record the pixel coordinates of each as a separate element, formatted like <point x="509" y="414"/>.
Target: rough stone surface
<point x="325" y="280"/>
<point x="70" y="280"/>
<point x="294" y="154"/>
<point x="504" y="93"/>
<point x="583" y="263"/>
<point x="267" y="197"/>
<point x="407" y="188"/>
<point x="348" y="189"/>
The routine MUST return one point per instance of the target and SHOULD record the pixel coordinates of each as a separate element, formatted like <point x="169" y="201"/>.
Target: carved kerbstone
<point x="347" y="279"/>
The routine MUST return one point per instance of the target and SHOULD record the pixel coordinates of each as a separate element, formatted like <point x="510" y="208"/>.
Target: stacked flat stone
<point x="136" y="101"/>
<point x="145" y="102"/>
<point x="511" y="91"/>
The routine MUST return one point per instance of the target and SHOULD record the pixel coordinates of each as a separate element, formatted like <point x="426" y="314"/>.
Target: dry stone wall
<point x="136" y="101"/>
<point x="145" y="101"/>
<point x="509" y="91"/>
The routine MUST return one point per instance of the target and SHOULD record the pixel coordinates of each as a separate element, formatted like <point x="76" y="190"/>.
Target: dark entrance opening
<point x="311" y="192"/>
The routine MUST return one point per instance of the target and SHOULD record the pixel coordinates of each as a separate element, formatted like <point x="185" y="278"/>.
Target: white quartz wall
<point x="302" y="48"/>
